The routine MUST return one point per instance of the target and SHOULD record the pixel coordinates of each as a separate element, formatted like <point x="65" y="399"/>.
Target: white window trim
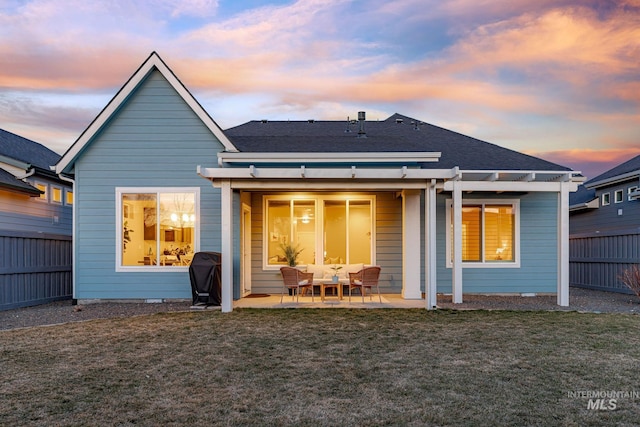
<point x="515" y="203"/>
<point x="616" y="194"/>
<point x="608" y="197"/>
<point x="629" y="191"/>
<point x="53" y="188"/>
<point x="118" y="230"/>
<point x="319" y="200"/>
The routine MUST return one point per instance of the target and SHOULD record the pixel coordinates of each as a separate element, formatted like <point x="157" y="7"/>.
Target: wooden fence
<point x="35" y="269"/>
<point x="598" y="259"/>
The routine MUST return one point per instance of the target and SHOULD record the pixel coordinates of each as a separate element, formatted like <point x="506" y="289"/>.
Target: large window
<point x="157" y="227"/>
<point x="331" y="229"/>
<point x="490" y="233"/>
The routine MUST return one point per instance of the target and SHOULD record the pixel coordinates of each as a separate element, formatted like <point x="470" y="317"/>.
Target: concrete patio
<point x="273" y="301"/>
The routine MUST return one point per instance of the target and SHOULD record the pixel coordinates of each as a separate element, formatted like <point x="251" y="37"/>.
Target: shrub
<point x="631" y="278"/>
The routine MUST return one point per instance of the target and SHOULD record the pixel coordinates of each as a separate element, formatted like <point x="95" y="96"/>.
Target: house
<point x="156" y="179"/>
<point x="35" y="225"/>
<point x="605" y="228"/>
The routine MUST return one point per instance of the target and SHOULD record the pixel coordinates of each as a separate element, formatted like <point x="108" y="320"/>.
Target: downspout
<point x="73" y="237"/>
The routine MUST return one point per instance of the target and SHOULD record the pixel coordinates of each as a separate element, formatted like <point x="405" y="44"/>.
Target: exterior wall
<point x="35" y="268"/>
<point x="538" y="246"/>
<point x="19" y="212"/>
<point x="608" y="217"/>
<point x="154" y="140"/>
<point x="388" y="245"/>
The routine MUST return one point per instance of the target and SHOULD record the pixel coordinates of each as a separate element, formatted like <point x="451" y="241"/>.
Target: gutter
<point x="613" y="180"/>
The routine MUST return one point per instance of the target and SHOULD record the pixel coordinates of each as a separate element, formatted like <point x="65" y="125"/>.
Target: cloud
<point x="520" y="68"/>
<point x="49" y="123"/>
<point x="199" y="8"/>
<point x="590" y="162"/>
<point x="570" y="46"/>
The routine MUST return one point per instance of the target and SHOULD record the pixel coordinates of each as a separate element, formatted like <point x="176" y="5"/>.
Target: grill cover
<point x="205" y="273"/>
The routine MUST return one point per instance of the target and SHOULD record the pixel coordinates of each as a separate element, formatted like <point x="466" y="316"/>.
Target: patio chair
<point x="294" y="279"/>
<point x="365" y="278"/>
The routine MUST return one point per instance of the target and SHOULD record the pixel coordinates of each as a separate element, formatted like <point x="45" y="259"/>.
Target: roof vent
<point x="361" y="118"/>
<point x="399" y="121"/>
<point x="264" y="120"/>
<point x="348" y="129"/>
<point x="311" y="120"/>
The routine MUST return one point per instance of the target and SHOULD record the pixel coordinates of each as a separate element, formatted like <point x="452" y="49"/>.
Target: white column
<point x="563" y="245"/>
<point x="411" y="244"/>
<point x="430" y="247"/>
<point x="456" y="282"/>
<point x="226" y="215"/>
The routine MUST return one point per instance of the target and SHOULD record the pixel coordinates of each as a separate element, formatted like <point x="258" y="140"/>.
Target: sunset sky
<point x="552" y="78"/>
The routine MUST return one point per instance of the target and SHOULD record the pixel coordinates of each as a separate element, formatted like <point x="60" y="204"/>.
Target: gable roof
<point x="25" y="153"/>
<point x="153" y="62"/>
<point x="623" y="172"/>
<point x="397" y="133"/>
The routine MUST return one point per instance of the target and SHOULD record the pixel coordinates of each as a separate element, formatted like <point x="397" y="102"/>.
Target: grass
<point x="322" y="367"/>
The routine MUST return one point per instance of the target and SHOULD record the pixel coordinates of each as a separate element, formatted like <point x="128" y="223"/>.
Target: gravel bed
<point x="64" y="312"/>
<point x="582" y="300"/>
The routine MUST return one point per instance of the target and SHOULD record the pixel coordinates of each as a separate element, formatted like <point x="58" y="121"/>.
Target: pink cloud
<point x="570" y="43"/>
<point x="589" y="161"/>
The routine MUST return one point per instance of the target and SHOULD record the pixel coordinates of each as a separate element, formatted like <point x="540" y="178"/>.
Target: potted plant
<point x="291" y="254"/>
<point x="335" y="269"/>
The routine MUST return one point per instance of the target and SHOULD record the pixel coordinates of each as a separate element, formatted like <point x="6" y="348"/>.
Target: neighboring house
<point x="437" y="210"/>
<point x="35" y="225"/>
<point x="605" y="228"/>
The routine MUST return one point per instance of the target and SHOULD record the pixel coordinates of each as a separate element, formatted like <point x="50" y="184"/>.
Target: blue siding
<point x="538" y="246"/>
<point x="154" y="140"/>
<point x="19" y="212"/>
<point x="615" y="216"/>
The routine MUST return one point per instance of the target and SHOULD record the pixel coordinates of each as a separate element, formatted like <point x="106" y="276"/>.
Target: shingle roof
<point x="9" y="181"/>
<point x="397" y="133"/>
<point x="632" y="165"/>
<point x="26" y="150"/>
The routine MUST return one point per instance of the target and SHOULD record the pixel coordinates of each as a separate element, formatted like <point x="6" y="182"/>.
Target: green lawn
<point x="323" y="367"/>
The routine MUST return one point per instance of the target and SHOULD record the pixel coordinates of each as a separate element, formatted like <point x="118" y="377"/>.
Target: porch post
<point x="563" y="245"/>
<point x="411" y="244"/>
<point x="226" y="215"/>
<point x="456" y="271"/>
<point x="430" y="246"/>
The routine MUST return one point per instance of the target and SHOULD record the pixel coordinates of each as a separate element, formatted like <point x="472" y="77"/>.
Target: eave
<point x="613" y="180"/>
<point x="592" y="204"/>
